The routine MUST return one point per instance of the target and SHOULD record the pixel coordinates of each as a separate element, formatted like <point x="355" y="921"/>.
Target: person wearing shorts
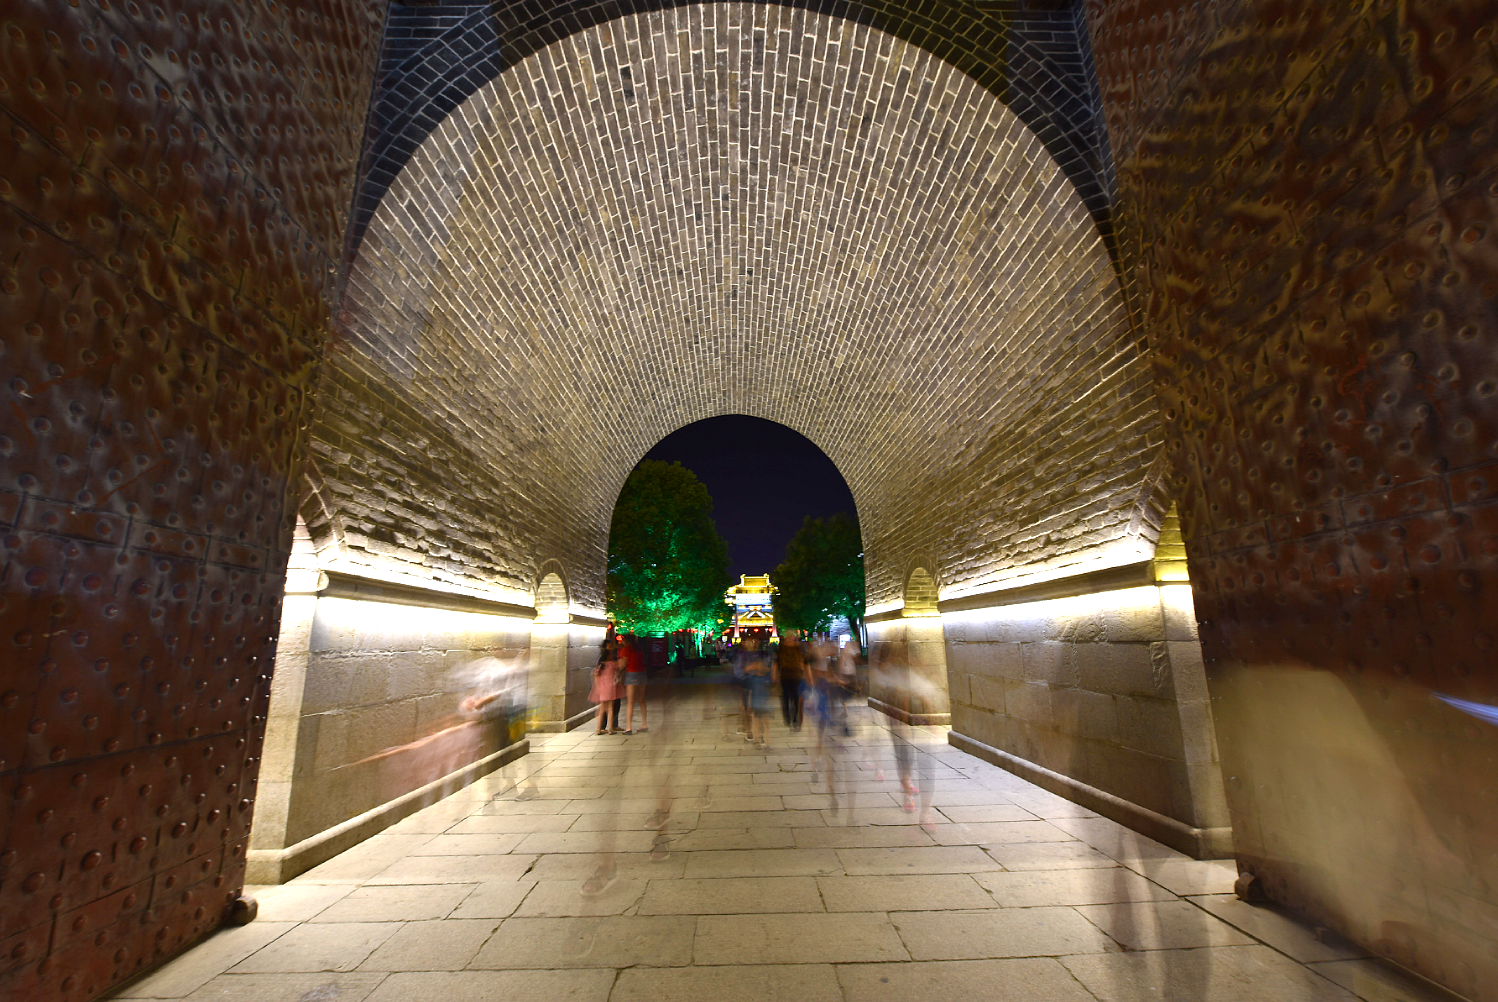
<point x="632" y="666"/>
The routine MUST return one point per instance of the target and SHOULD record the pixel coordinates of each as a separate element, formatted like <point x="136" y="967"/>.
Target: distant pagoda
<point x="753" y="603"/>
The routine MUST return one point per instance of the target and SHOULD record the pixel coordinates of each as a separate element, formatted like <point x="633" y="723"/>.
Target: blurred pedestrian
<point x="790" y="674"/>
<point x="748" y="653"/>
<point x="757" y="670"/>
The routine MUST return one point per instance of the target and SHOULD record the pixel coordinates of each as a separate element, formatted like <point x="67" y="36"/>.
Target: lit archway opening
<point x="765" y="480"/>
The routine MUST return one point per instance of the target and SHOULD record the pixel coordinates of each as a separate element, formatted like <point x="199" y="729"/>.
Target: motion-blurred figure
<point x="905" y="689"/>
<point x="757" y="673"/>
<point x="827" y="700"/>
<point x="501" y="698"/>
<point x="790" y="672"/>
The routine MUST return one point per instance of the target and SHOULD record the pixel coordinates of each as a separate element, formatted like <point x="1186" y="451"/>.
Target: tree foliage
<point x="668" y="567"/>
<point x="822" y="576"/>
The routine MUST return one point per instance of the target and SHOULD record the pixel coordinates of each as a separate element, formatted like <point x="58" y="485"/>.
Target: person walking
<point x="790" y="674"/>
<point x="606" y="680"/>
<point x="748" y="654"/>
<point x="632" y="669"/>
<point x="757" y="671"/>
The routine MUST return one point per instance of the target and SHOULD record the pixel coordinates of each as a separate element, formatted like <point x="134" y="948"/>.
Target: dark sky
<point x="764" y="479"/>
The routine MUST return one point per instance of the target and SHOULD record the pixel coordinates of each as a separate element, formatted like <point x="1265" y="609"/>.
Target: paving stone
<point x="1380" y="981"/>
<point x="1272" y="925"/>
<point x="628" y="865"/>
<point x="432" y="946"/>
<point x="1189" y="876"/>
<point x="1079" y="886"/>
<point x="997" y="833"/>
<point x="332" y="946"/>
<point x="849" y="937"/>
<point x="934" y="859"/>
<point x="719" y="839"/>
<point x="294" y="902"/>
<point x="365" y="860"/>
<point x="1026" y="980"/>
<point x="399" y="903"/>
<point x="469" y="845"/>
<point x="562" y="898"/>
<point x="985" y="813"/>
<point x="495" y="986"/>
<point x="1049" y="856"/>
<point x="587" y="842"/>
<point x="494" y="900"/>
<point x="902" y="893"/>
<point x="860" y="837"/>
<point x="453" y="869"/>
<point x="1228" y="974"/>
<point x="1162" y="925"/>
<point x="760" y="910"/>
<point x="506" y="824"/>
<point x="731" y="896"/>
<point x="1000" y="932"/>
<point x="741" y="983"/>
<point x="610" y="941"/>
<point x="763" y="863"/>
<point x="760" y="819"/>
<point x="279" y="987"/>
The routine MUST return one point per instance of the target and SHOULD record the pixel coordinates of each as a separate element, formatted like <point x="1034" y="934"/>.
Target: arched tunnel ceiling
<point x="740" y="209"/>
<point x="1034" y="55"/>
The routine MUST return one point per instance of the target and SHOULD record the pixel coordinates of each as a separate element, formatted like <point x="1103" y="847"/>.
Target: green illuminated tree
<point x="822" y="576"/>
<point x="668" y="567"/>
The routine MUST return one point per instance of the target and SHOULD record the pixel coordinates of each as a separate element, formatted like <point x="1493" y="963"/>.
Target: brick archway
<point x="607" y="255"/>
<point x="1306" y="206"/>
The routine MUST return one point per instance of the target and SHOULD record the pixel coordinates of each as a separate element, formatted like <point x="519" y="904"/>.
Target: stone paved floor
<point x="764" y="892"/>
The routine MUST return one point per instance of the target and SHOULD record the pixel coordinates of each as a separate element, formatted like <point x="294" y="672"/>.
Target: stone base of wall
<point x="276" y="866"/>
<point x="914" y="719"/>
<point x="563" y="726"/>
<point x="1199" y="843"/>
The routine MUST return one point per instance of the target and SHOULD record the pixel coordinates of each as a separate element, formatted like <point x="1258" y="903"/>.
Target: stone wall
<point x="400" y="690"/>
<point x="1098" y="694"/>
<point x="1307" y="210"/>
<point x="176" y="181"/>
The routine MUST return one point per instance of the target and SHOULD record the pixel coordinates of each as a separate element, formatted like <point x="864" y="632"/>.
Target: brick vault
<point x="1154" y="341"/>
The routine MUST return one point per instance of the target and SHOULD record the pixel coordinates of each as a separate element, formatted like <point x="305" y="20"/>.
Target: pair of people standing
<point x="619" y="677"/>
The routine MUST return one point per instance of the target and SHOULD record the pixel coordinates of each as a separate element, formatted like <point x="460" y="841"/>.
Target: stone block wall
<point x="1105" y="690"/>
<point x="387" y="706"/>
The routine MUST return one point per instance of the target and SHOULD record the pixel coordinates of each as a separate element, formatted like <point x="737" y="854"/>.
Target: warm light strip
<point x="1119" y="556"/>
<point x="1070" y="607"/>
<point x="377" y="574"/>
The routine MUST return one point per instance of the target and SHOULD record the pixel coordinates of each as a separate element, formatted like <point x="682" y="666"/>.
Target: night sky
<point x="764" y="479"/>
